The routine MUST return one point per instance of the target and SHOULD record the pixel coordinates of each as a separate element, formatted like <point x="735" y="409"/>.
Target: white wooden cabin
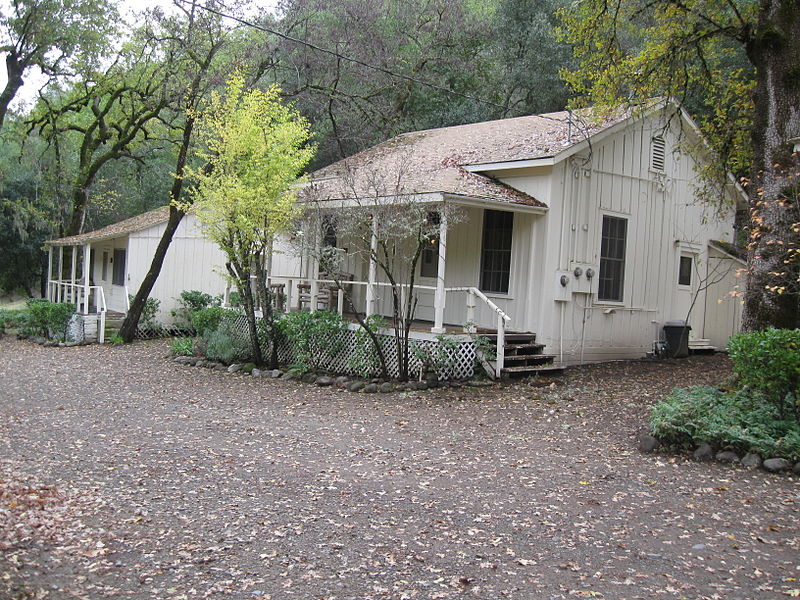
<point x="99" y="270"/>
<point x="586" y="234"/>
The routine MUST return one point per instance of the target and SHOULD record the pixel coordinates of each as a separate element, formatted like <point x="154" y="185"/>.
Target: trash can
<point x="676" y="333"/>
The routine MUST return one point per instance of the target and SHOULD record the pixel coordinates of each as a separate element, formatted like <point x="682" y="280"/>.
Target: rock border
<point x="705" y="452"/>
<point x="342" y="382"/>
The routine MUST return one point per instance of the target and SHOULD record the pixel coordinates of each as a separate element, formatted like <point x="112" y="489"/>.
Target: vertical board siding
<point x="661" y="216"/>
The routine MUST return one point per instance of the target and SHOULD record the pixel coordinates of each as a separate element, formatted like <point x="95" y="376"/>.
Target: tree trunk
<point x="128" y="330"/>
<point x="14" y="71"/>
<point x="771" y="296"/>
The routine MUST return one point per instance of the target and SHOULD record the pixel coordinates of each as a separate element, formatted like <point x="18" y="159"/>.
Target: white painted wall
<point x="664" y="219"/>
<point x="192" y="263"/>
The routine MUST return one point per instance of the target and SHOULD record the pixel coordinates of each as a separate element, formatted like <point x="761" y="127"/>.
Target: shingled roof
<point x="433" y="161"/>
<point x="137" y="223"/>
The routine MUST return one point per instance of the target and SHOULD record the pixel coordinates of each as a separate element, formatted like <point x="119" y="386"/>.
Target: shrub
<point x="769" y="362"/>
<point x="364" y="360"/>
<point x="147" y="320"/>
<point x="182" y="346"/>
<point x="207" y="319"/>
<point x="9" y="318"/>
<point x="313" y="335"/>
<point x="48" y="319"/>
<point x="741" y="420"/>
<point x="191" y="301"/>
<point x="225" y="342"/>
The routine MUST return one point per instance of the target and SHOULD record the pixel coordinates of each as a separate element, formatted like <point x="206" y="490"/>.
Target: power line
<point x="343" y="57"/>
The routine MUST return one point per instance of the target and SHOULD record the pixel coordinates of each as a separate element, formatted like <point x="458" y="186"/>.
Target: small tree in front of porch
<point x="256" y="148"/>
<point x="393" y="232"/>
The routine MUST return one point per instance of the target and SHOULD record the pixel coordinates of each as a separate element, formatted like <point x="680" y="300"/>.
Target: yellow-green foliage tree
<point x="256" y="148"/>
<point x="736" y="65"/>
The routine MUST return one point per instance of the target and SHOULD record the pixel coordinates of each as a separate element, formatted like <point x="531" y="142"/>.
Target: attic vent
<point x="657" y="154"/>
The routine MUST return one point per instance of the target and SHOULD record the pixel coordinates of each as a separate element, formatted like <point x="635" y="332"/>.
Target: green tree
<point x="53" y="35"/>
<point x="105" y="117"/>
<point x="735" y="63"/>
<point x="256" y="148"/>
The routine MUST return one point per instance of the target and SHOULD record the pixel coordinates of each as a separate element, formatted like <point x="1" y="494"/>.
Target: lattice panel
<point x="351" y="352"/>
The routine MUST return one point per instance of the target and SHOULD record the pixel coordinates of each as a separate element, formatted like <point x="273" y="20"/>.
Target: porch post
<point x="60" y="294"/>
<point x="373" y="267"/>
<point x="86" y="271"/>
<point x="73" y="272"/>
<point x="315" y="269"/>
<point x="50" y="273"/>
<point x="439" y="298"/>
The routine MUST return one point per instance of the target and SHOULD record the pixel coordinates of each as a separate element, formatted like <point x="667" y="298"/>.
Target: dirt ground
<point x="125" y="475"/>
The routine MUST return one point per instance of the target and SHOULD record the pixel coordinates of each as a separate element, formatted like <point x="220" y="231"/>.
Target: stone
<point x="775" y="465"/>
<point x="275" y="373"/>
<point x="324" y="381"/>
<point x="371" y="388"/>
<point x="247" y="368"/>
<point x="356" y="386"/>
<point x="200" y="363"/>
<point x="256" y="373"/>
<point x="648" y="443"/>
<point x="221" y="367"/>
<point x="430" y="376"/>
<point x="184" y="360"/>
<point x="386" y="388"/>
<point x="421" y="385"/>
<point x="796" y="468"/>
<point x="751" y="460"/>
<point x="703" y="452"/>
<point x="288" y="376"/>
<point x="727" y="456"/>
<point x="234" y="368"/>
<point x="308" y="378"/>
<point x="699" y="547"/>
<point x="376" y="380"/>
<point x="342" y="381"/>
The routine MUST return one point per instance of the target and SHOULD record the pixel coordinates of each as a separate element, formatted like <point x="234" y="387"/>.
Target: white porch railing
<point x="80" y="295"/>
<point x="301" y="290"/>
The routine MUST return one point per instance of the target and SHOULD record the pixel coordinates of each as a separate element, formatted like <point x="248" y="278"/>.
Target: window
<point x="685" y="271"/>
<point x="657" y="154"/>
<point x="429" y="261"/>
<point x="612" y="259"/>
<point x="118" y="274"/>
<point x="496" y="251"/>
<point x="328" y="232"/>
<point x="105" y="266"/>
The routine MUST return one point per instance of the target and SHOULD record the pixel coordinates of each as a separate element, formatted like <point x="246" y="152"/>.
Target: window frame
<point x="429" y="258"/>
<point x="606" y="260"/>
<point x="503" y="252"/>
<point x="688" y="260"/>
<point x="117" y="270"/>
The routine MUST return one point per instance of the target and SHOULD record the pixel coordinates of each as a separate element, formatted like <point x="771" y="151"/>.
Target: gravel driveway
<point x="125" y="475"/>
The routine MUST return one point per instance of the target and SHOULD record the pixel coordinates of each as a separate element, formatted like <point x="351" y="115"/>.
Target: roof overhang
<point x="726" y="250"/>
<point x="423" y="198"/>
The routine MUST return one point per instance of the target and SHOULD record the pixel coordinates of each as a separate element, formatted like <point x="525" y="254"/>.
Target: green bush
<point x="225" y="342"/>
<point x="147" y="320"/>
<point x="16" y="318"/>
<point x="207" y="319"/>
<point x="742" y="420"/>
<point x="314" y="336"/>
<point x="47" y="319"/>
<point x="769" y="362"/>
<point x="364" y="360"/>
<point x="182" y="346"/>
<point x="191" y="301"/>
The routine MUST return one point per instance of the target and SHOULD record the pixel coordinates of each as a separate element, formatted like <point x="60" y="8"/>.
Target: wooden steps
<point x="701" y="346"/>
<point x="525" y="357"/>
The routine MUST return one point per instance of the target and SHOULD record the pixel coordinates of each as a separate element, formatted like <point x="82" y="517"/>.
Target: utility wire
<point x="342" y="56"/>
